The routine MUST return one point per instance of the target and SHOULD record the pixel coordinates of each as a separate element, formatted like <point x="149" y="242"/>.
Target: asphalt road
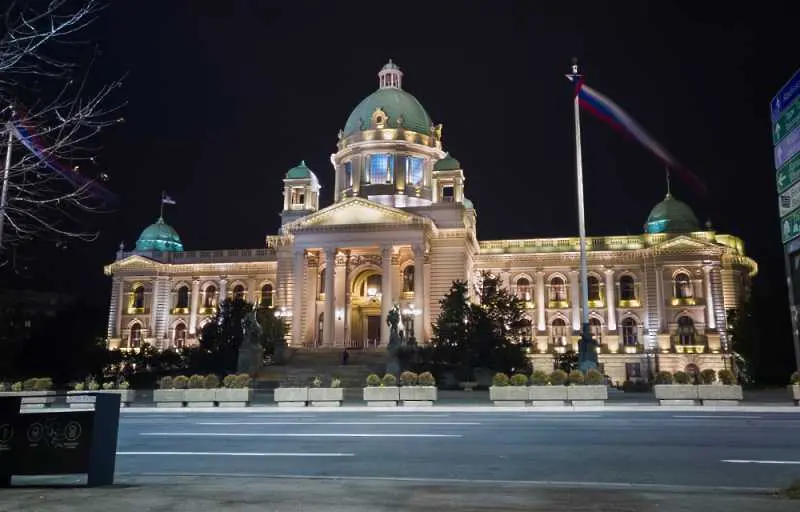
<point x="593" y="449"/>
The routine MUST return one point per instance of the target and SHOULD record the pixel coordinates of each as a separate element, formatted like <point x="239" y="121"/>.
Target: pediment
<point x="134" y="261"/>
<point x="355" y="211"/>
<point x="683" y="242"/>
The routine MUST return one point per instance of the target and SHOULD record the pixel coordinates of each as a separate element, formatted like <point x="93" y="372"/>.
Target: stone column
<point x="575" y="299"/>
<point x="712" y="323"/>
<point x="154" y="295"/>
<point x="330" y="297"/>
<point x="611" y="322"/>
<point x="252" y="294"/>
<point x="298" y="266"/>
<point x="419" y="292"/>
<point x="386" y="291"/>
<point x="541" y="302"/>
<point x="662" y="320"/>
<point x="194" y="301"/>
<point x="223" y="290"/>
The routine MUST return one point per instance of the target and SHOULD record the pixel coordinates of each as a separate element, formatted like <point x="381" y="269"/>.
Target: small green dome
<point x="448" y="163"/>
<point x="396" y="103"/>
<point x="671" y="216"/>
<point x="159" y="237"/>
<point x="300" y="172"/>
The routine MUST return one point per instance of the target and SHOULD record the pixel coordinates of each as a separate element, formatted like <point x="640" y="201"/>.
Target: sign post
<point x="785" y="113"/>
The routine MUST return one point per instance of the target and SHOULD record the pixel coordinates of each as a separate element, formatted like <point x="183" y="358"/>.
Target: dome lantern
<point x="390" y="76"/>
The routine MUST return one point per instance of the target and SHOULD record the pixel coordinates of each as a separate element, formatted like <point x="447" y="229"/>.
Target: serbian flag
<point x="26" y="134"/>
<point x="611" y="113"/>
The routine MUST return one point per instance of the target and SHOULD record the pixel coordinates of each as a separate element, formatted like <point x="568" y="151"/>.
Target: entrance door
<point x="373" y="329"/>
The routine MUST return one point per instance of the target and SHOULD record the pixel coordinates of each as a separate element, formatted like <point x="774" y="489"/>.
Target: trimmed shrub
<point x="211" y="381"/>
<point x="540" y="378"/>
<point x="726" y="377"/>
<point x="500" y="379"/>
<point x="519" y="379"/>
<point x="426" y="379"/>
<point x="242" y="381"/>
<point x="316" y="382"/>
<point x="663" y="378"/>
<point x="229" y="381"/>
<point x="795" y="379"/>
<point x="630" y="386"/>
<point x="108" y="385"/>
<point x="180" y="382"/>
<point x="195" y="382"/>
<point x="594" y="378"/>
<point x="29" y="384"/>
<point x="408" y="378"/>
<point x="79" y="386"/>
<point x="558" y="377"/>
<point x="373" y="380"/>
<point x="389" y="380"/>
<point x="124" y="384"/>
<point x="336" y="383"/>
<point x="17" y="386"/>
<point x="44" y="384"/>
<point x="93" y="385"/>
<point x="708" y="376"/>
<point x="681" y="377"/>
<point x="576" y="378"/>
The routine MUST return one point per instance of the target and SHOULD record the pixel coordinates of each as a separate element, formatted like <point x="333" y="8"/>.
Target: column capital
<point x="386" y="251"/>
<point x="707" y="268"/>
<point x="539" y="272"/>
<point x="608" y="270"/>
<point x="195" y="280"/>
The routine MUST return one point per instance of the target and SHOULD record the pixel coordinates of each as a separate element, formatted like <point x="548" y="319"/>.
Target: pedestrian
<point x="345" y="356"/>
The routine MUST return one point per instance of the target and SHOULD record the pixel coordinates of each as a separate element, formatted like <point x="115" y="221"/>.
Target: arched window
<point x="138" y="297"/>
<point x="266" y="296"/>
<point x="630" y="333"/>
<point x="523" y="291"/>
<point x="558" y="289"/>
<point x="593" y="285"/>
<point x="683" y="286"/>
<point x="685" y="331"/>
<point x="210" y="299"/>
<point x="180" y="335"/>
<point x="238" y="292"/>
<point x="627" y="288"/>
<point x="183" y="298"/>
<point x="321" y="286"/>
<point x="372" y="286"/>
<point x="408" y="279"/>
<point x="596" y="329"/>
<point x="558" y="332"/>
<point x="414" y="170"/>
<point x="381" y="168"/>
<point x="136" y="335"/>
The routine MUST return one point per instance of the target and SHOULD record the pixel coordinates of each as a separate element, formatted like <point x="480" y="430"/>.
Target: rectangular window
<point x="414" y="170"/>
<point x="381" y="168"/>
<point x="348" y="174"/>
<point x="448" y="193"/>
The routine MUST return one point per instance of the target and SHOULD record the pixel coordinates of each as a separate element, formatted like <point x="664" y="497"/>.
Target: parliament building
<point x="399" y="232"/>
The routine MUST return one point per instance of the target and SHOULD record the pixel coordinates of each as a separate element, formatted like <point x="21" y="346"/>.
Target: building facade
<point x="401" y="230"/>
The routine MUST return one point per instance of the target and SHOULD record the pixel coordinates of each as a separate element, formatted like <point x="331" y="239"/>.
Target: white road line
<point x="717" y="417"/>
<point x="402" y="415"/>
<point x="241" y="454"/>
<point x="285" y="434"/>
<point x="734" y="461"/>
<point x="335" y="423"/>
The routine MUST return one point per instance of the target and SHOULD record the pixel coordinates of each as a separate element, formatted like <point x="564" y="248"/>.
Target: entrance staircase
<point x="305" y="364"/>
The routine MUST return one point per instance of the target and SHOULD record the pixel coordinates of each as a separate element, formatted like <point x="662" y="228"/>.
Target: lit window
<point x="298" y="196"/>
<point x="183" y="297"/>
<point x="414" y="170"/>
<point x="627" y="289"/>
<point x="266" y="296"/>
<point x="381" y="168"/>
<point x="593" y="287"/>
<point x="210" y="300"/>
<point x="238" y="292"/>
<point x="683" y="286"/>
<point x="448" y="193"/>
<point x="524" y="289"/>
<point x="596" y="329"/>
<point x="136" y="335"/>
<point x="685" y="330"/>
<point x="138" y="297"/>
<point x="558" y="289"/>
<point x="348" y="174"/>
<point x="180" y="335"/>
<point x="630" y="335"/>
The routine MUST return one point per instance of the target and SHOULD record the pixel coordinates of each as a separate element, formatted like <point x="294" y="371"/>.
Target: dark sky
<point x="224" y="97"/>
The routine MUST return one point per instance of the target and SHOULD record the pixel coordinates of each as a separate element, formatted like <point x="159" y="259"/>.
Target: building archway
<point x="366" y="292"/>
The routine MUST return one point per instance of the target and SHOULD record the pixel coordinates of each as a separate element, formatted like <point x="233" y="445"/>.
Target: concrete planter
<point x="553" y="396"/>
<point x="508" y="396"/>
<point x="33" y="399"/>
<point x="326" y="397"/>
<point x="676" y="394"/>
<point x="291" y="397"/>
<point x="382" y="396"/>
<point x="80" y="400"/>
<point x="418" y="395"/>
<point x="233" y="397"/>
<point x="199" y="397"/>
<point x="592" y="395"/>
<point x="168" y="397"/>
<point x="794" y="390"/>
<point x="719" y="394"/>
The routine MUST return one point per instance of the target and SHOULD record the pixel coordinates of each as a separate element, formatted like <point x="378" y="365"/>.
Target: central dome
<point x="671" y="216"/>
<point x="159" y="237"/>
<point x="394" y="102"/>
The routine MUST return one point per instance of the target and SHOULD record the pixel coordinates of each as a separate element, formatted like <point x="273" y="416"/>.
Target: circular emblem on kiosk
<point x="35" y="432"/>
<point x="6" y="433"/>
<point x="72" y="431"/>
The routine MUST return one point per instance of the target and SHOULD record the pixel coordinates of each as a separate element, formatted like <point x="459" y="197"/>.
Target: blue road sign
<point x="786" y="95"/>
<point x="787" y="148"/>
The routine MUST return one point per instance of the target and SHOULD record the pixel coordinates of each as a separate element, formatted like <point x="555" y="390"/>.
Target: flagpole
<point x="161" y="214"/>
<point x="586" y="352"/>
<point x="4" y="191"/>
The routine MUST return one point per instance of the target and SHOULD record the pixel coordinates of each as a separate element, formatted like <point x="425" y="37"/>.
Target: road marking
<point x="285" y="434"/>
<point x="718" y="417"/>
<point x="242" y="454"/>
<point x="401" y="415"/>
<point x="335" y="423"/>
<point x="734" y="461"/>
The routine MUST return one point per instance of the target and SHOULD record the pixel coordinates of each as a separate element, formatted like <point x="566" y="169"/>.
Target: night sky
<point x="224" y="97"/>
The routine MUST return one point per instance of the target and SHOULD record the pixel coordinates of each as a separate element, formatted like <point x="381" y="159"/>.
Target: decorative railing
<point x="217" y="256"/>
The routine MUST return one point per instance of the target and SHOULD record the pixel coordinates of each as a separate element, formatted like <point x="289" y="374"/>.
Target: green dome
<point x="159" y="237"/>
<point x="448" y="163"/>
<point x="671" y="216"/>
<point x="300" y="172"/>
<point x="395" y="103"/>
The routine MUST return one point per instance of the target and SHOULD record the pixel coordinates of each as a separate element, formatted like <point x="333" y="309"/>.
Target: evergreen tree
<point x="451" y="332"/>
<point x="222" y="337"/>
<point x="273" y="329"/>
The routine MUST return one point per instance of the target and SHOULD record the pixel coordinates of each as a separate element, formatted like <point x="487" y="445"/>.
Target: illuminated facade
<point x="401" y="230"/>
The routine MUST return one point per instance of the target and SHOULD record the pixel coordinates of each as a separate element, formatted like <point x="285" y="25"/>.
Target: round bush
<point x="211" y="381"/>
<point x="408" y="378"/>
<point x="195" y="382"/>
<point x="594" y="378"/>
<point x="795" y="379"/>
<point x="242" y="381"/>
<point x="44" y="384"/>
<point x="426" y="379"/>
<point x="681" y="377"/>
<point x="576" y="377"/>
<point x="166" y="383"/>
<point x="519" y="379"/>
<point x="373" y="380"/>
<point x="708" y="376"/>
<point x="558" y="377"/>
<point x="500" y="379"/>
<point x="540" y="378"/>
<point x="336" y="383"/>
<point x="180" y="382"/>
<point x="79" y="386"/>
<point x="108" y="385"/>
<point x="389" y="380"/>
<point x="726" y="377"/>
<point x="124" y="384"/>
<point x="229" y="381"/>
<point x="93" y="385"/>
<point x="663" y="378"/>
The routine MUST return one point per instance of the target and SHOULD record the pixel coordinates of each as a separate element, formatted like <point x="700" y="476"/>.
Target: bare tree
<point x="50" y="118"/>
